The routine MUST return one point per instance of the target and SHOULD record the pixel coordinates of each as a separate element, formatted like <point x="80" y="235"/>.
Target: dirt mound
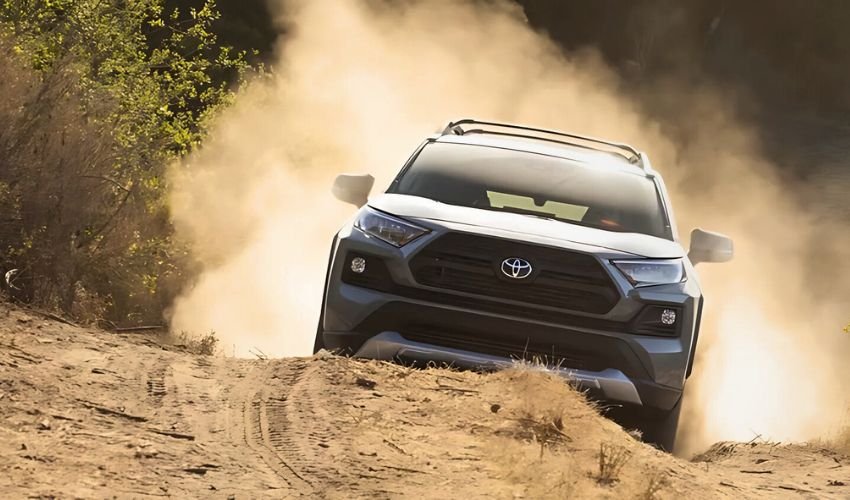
<point x="85" y="413"/>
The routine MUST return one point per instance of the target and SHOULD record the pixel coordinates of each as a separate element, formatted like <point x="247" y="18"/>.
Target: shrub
<point x="612" y="459"/>
<point x="99" y="96"/>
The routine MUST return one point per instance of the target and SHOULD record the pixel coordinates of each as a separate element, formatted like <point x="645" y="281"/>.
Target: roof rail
<point x="457" y="128"/>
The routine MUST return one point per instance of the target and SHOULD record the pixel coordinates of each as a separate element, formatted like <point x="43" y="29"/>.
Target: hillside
<point x="87" y="413"/>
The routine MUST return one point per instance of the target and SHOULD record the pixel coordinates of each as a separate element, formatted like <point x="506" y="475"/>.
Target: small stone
<point x="365" y="382"/>
<point x="44" y="425"/>
<point x="145" y="452"/>
<point x="495" y="408"/>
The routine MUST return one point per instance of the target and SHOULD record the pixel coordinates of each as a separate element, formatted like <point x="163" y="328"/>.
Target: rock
<point x="365" y="382"/>
<point x="495" y="407"/>
<point x="145" y="452"/>
<point x="44" y="425"/>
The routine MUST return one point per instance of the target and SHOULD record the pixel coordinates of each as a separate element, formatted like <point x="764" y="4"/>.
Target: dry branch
<point x="109" y="411"/>
<point x="175" y="435"/>
<point x="139" y="328"/>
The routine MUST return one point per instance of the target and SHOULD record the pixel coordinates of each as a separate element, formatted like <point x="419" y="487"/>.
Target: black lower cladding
<point x="500" y="337"/>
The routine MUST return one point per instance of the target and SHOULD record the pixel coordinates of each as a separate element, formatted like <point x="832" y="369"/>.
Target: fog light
<point x="668" y="316"/>
<point x="358" y="265"/>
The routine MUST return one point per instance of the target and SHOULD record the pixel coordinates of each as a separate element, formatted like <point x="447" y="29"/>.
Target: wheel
<point x="319" y="343"/>
<point x="660" y="429"/>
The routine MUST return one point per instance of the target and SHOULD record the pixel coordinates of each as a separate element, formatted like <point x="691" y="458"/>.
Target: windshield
<point x="532" y="184"/>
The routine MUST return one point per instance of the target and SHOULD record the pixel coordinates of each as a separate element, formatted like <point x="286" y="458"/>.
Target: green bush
<point x="99" y="97"/>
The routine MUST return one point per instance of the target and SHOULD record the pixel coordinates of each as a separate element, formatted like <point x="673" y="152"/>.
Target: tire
<point x="660" y="429"/>
<point x="319" y="343"/>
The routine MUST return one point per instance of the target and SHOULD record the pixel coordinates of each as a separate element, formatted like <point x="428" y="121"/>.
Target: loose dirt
<point x="91" y="414"/>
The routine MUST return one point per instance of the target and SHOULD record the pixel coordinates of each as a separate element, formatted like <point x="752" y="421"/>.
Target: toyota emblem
<point x="516" y="268"/>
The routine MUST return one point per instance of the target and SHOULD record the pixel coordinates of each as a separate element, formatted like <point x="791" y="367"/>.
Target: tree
<point x="113" y="91"/>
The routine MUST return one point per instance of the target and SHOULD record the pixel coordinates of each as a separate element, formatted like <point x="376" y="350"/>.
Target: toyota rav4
<point x="497" y="243"/>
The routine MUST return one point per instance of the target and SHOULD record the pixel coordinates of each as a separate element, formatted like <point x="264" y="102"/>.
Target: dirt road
<point x="91" y="414"/>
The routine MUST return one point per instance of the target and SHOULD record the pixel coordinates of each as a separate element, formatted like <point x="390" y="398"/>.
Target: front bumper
<point x="413" y="322"/>
<point x="609" y="384"/>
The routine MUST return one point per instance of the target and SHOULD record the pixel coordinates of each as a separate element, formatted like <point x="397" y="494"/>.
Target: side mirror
<point x="352" y="188"/>
<point x="707" y="246"/>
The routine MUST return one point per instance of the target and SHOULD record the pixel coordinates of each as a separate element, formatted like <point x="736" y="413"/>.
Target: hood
<point x="490" y="221"/>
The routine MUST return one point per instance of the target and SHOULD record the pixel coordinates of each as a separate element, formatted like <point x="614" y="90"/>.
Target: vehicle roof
<point x="598" y="158"/>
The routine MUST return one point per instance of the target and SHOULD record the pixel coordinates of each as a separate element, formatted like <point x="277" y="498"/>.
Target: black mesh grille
<point x="505" y="337"/>
<point x="509" y="347"/>
<point x="471" y="264"/>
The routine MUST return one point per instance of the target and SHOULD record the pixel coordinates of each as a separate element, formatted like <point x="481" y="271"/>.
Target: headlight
<point x="651" y="272"/>
<point x="385" y="227"/>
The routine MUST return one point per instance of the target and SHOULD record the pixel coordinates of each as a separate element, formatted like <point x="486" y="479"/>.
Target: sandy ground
<point x="91" y="414"/>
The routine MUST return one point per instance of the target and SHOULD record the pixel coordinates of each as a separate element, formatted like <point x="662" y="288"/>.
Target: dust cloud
<point x="771" y="355"/>
<point x="357" y="85"/>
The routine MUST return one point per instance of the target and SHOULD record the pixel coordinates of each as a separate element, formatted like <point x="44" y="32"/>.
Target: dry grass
<point x="612" y="458"/>
<point x="840" y="443"/>
<point x="202" y="345"/>
<point x="837" y="440"/>
<point x="542" y="423"/>
<point x="555" y="435"/>
<point x="547" y="430"/>
<point x="545" y="402"/>
<point x="541" y="411"/>
<point x="655" y="485"/>
<point x="556" y="476"/>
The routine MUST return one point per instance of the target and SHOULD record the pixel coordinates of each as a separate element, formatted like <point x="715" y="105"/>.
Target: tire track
<point x="290" y="419"/>
<point x="257" y="431"/>
<point x="300" y="427"/>
<point x="156" y="387"/>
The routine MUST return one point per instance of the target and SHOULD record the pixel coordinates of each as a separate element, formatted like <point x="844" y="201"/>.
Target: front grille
<point x="470" y="263"/>
<point x="505" y="337"/>
<point x="514" y="348"/>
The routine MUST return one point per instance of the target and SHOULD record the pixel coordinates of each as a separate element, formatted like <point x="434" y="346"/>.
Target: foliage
<point x="203" y="345"/>
<point x="155" y="68"/>
<point x="102" y="95"/>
